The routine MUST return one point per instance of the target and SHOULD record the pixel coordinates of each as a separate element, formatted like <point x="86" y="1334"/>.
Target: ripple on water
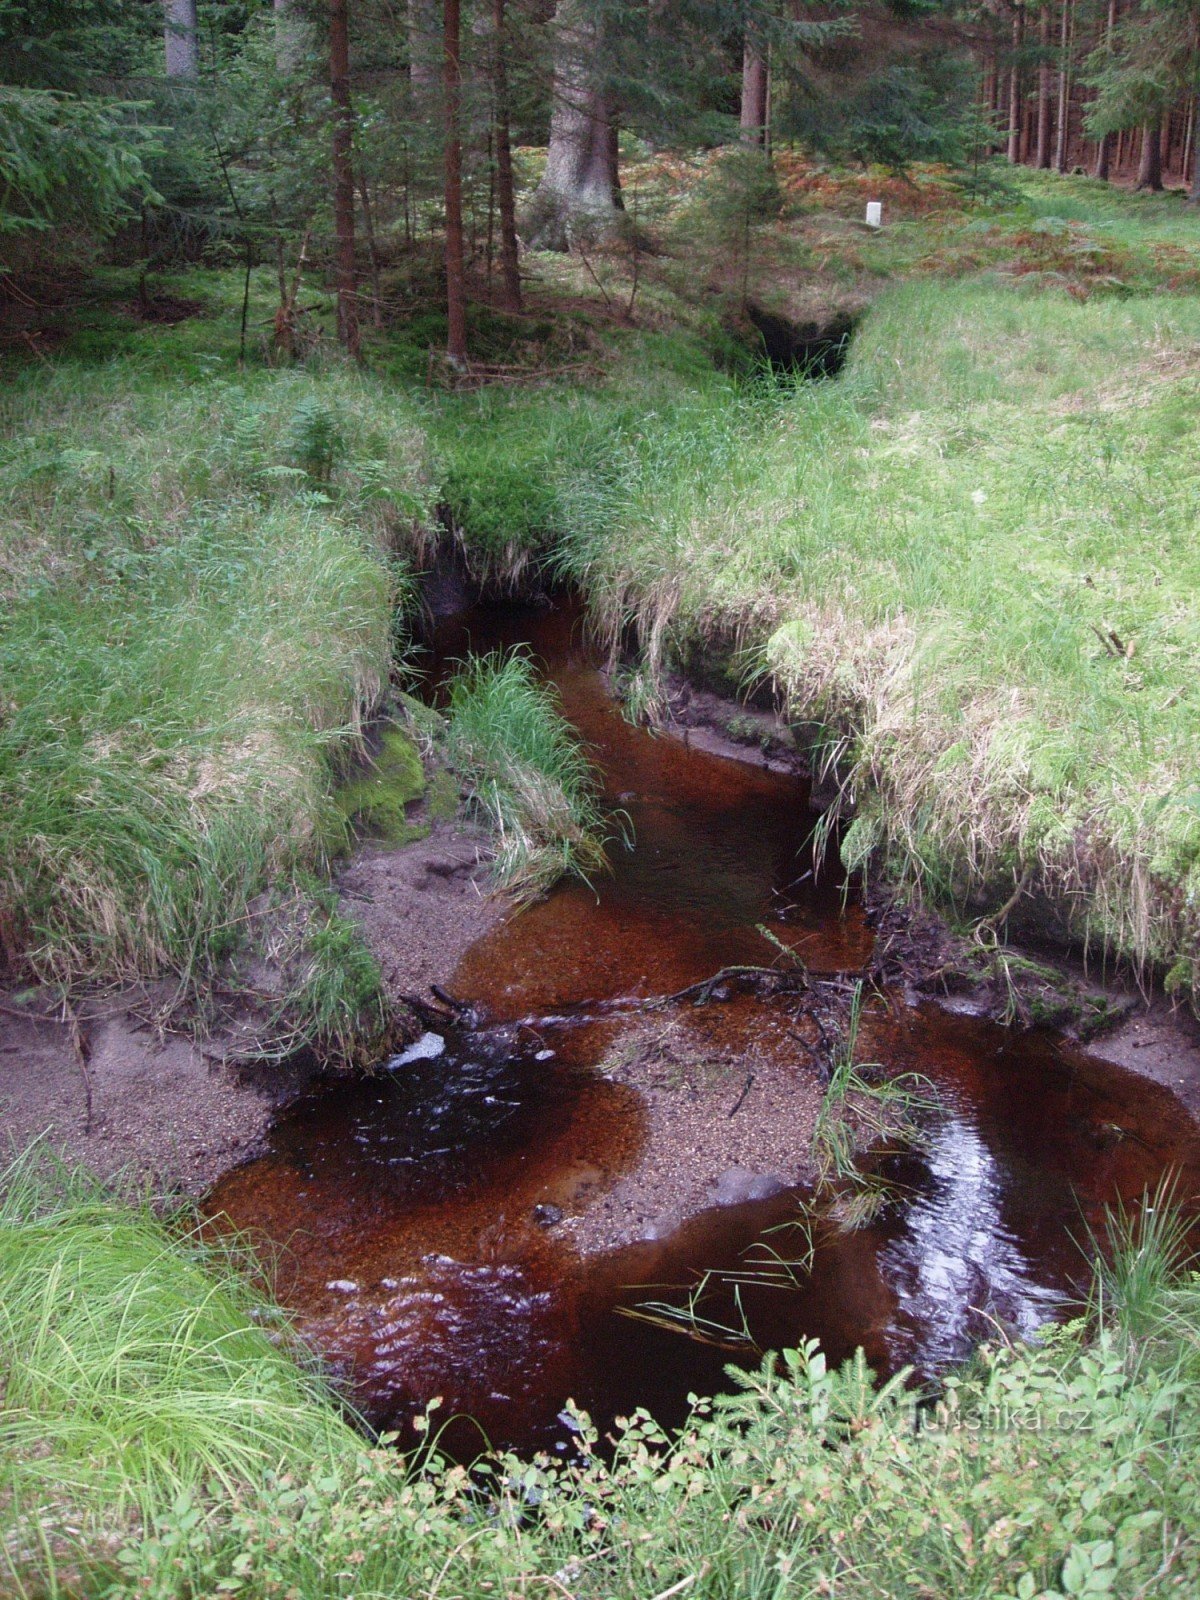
<point x="408" y="1214"/>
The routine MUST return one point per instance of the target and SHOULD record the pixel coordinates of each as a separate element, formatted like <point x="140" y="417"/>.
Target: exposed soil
<point x="420" y="906"/>
<point x="729" y="1096"/>
<point x="113" y="1091"/>
<point x="112" y="1087"/>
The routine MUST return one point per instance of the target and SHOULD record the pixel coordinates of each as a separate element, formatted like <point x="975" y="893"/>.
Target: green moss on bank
<point x="377" y="798"/>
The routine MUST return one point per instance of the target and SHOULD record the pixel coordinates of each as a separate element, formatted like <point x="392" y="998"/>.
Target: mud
<point x="114" y="1083"/>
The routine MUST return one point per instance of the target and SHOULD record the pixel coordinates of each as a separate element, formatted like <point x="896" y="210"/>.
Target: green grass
<point x="970" y="562"/>
<point x="199" y="584"/>
<point x="160" y="1440"/>
<point x="138" y="1369"/>
<point x="526" y="772"/>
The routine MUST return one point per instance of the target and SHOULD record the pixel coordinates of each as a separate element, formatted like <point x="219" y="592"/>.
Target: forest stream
<point x="465" y="1224"/>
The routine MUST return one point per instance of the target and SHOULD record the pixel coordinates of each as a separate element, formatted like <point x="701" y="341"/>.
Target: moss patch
<point x="378" y="798"/>
<point x="442" y="796"/>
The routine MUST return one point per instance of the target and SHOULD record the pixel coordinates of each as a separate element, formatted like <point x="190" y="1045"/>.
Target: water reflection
<point x="959" y="1272"/>
<point x="411" y="1212"/>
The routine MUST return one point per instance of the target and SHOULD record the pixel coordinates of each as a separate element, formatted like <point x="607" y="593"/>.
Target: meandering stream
<point x="415" y="1215"/>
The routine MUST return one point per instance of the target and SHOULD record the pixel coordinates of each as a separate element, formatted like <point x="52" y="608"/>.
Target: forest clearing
<point x="599" y="802"/>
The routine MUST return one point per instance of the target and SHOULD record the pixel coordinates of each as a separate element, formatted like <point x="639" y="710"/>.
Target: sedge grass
<point x="160" y="1440"/>
<point x="198" y="590"/>
<point x="526" y="772"/>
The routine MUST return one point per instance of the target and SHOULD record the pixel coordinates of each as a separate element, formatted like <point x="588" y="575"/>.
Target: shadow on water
<point x="413" y="1212"/>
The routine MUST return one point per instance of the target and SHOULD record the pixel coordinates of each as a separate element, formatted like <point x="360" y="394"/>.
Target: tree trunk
<point x="179" y="36"/>
<point x="343" y="175"/>
<point x="1062" y="144"/>
<point x="510" y="269"/>
<point x="456" y="291"/>
<point x="1015" y="104"/>
<point x="1104" y="150"/>
<point x="1194" y="191"/>
<point x="754" y="94"/>
<point x="579" y="195"/>
<point x="1042" y="159"/>
<point x="1150" y="168"/>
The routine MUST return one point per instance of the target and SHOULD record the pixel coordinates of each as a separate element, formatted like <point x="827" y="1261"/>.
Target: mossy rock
<point x="442" y="798"/>
<point x="378" y="798"/>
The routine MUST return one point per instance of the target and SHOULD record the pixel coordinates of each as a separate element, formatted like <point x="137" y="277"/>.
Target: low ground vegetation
<point x="199" y="587"/>
<point x="160" y="1439"/>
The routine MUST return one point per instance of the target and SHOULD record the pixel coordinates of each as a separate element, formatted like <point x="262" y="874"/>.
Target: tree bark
<point x="179" y="37"/>
<point x="1150" y="168"/>
<point x="1015" y="105"/>
<point x="456" y="291"/>
<point x="579" y="195"/>
<point x="510" y="267"/>
<point x="1042" y="159"/>
<point x="1062" y="146"/>
<point x="1194" y="190"/>
<point x="343" y="176"/>
<point x="754" y="94"/>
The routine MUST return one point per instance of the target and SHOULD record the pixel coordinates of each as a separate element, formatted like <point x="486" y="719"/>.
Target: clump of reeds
<point x="526" y="773"/>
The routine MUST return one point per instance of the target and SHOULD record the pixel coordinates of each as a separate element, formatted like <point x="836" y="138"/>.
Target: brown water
<point x="402" y="1210"/>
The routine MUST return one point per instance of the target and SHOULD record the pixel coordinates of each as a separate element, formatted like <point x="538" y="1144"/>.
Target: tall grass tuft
<point x="1140" y="1256"/>
<point x="197" y="587"/>
<point x="526" y="773"/>
<point x="136" y="1363"/>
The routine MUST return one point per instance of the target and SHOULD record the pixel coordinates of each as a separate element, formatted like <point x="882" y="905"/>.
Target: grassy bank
<point x="199" y="583"/>
<point x="968" y="561"/>
<point x="158" y="1440"/>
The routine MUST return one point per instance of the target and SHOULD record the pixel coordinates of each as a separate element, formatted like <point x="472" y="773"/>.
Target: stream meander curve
<point x="469" y="1225"/>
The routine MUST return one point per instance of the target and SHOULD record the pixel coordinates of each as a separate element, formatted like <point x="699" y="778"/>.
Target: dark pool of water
<point x="403" y="1211"/>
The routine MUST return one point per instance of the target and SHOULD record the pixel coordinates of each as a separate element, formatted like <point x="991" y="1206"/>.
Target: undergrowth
<point x="198" y="588"/>
<point x="160" y="1440"/>
<point x="526" y="772"/>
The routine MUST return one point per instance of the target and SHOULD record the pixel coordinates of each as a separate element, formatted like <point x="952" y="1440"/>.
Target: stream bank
<point x="472" y="1223"/>
<point x="114" y="1083"/>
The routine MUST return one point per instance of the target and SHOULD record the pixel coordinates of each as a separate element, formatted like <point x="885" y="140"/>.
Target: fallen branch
<point x="740" y="1101"/>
